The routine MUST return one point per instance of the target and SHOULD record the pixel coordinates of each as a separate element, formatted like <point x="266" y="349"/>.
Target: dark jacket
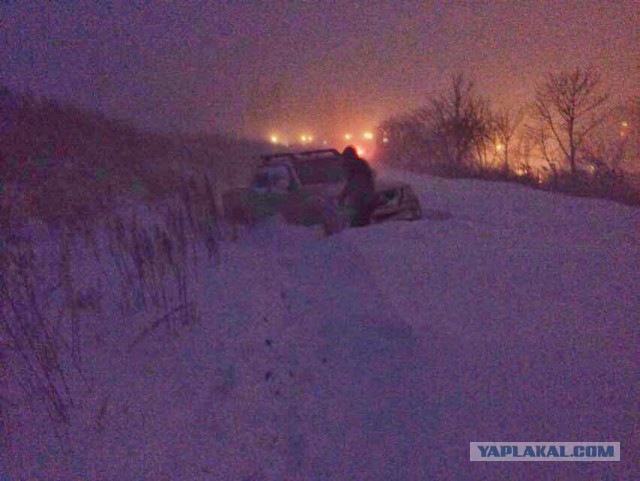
<point x="360" y="182"/>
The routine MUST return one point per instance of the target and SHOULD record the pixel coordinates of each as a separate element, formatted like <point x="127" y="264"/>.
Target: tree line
<point x="569" y="137"/>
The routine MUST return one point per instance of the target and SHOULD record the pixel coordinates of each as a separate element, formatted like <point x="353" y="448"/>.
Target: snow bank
<point x="380" y="353"/>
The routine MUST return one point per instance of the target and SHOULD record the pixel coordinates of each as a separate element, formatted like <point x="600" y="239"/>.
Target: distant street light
<point x="624" y="127"/>
<point x="368" y="135"/>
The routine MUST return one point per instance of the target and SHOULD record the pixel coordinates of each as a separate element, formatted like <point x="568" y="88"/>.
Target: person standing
<point x="359" y="191"/>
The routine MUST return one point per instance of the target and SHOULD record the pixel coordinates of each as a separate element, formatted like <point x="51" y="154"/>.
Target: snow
<point x="507" y="314"/>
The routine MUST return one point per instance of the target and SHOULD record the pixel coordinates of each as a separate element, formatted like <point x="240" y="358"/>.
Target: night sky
<point x="322" y="67"/>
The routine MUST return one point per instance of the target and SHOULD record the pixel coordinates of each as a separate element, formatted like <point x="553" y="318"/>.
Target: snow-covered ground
<point x="506" y="314"/>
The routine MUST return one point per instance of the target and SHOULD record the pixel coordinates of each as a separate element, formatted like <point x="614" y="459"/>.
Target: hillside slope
<point x="380" y="353"/>
<point x="61" y="163"/>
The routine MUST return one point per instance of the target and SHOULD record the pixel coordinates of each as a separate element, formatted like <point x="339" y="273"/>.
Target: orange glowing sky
<point x="293" y="67"/>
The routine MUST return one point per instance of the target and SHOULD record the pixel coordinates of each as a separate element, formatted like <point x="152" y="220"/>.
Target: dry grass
<point x="70" y="245"/>
<point x="36" y="336"/>
<point x="49" y="307"/>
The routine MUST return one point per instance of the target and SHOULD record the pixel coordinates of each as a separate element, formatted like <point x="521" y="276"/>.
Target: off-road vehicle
<point x="303" y="187"/>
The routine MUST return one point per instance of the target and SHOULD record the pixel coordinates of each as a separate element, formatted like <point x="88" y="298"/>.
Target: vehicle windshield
<point x="320" y="171"/>
<point x="274" y="178"/>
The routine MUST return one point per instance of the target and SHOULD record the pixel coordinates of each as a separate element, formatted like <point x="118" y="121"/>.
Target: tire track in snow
<point x="365" y="414"/>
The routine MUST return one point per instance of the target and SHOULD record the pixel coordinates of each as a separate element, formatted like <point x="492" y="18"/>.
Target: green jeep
<point x="303" y="187"/>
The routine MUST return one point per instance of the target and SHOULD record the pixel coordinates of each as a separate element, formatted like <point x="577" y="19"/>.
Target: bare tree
<point x="405" y="140"/>
<point x="505" y="124"/>
<point x="540" y="136"/>
<point x="483" y="132"/>
<point x="452" y="132"/>
<point x="458" y="120"/>
<point x="615" y="147"/>
<point x="568" y="106"/>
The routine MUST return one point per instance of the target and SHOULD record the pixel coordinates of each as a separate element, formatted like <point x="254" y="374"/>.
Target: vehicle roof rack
<point x="299" y="155"/>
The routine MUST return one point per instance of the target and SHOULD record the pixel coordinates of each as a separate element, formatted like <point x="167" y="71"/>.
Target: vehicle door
<point x="270" y="188"/>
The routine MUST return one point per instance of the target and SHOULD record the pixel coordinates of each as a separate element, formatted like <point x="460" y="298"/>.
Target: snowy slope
<point x="505" y="315"/>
